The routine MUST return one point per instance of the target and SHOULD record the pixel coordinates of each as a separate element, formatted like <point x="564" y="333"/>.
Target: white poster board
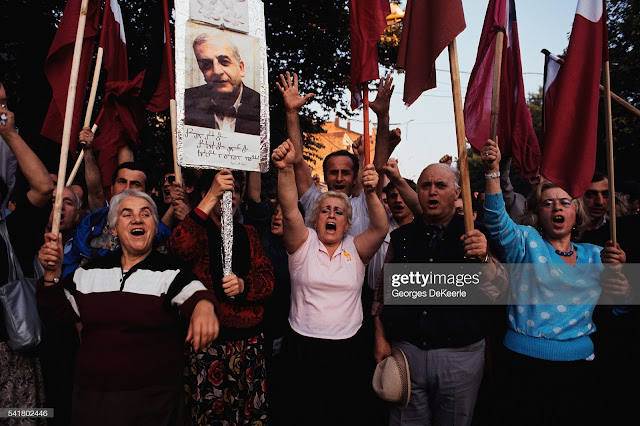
<point x="222" y="95"/>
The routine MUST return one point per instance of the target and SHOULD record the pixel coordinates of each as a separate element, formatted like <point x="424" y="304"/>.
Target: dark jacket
<point x="199" y="110"/>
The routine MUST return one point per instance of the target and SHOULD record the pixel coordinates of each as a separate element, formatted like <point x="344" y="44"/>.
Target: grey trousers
<point x="444" y="385"/>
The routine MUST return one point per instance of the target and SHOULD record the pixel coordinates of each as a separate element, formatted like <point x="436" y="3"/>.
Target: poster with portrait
<point x="221" y="89"/>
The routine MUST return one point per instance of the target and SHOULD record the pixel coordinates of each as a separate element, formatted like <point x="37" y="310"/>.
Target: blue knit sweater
<point x="551" y="307"/>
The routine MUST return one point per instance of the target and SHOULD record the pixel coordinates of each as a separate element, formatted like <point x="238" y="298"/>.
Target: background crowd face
<point x="129" y="179"/>
<point x="169" y="178"/>
<point x="276" y="221"/>
<point x="69" y="215"/>
<point x="557" y="213"/>
<point x="597" y="199"/>
<point x="397" y="207"/>
<point x="222" y="71"/>
<point x="437" y="194"/>
<point x="339" y="176"/>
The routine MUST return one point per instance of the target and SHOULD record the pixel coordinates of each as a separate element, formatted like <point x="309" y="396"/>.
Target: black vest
<point x="429" y="327"/>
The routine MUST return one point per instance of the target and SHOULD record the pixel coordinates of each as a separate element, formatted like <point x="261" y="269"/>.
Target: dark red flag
<point x="516" y="136"/>
<point x="114" y="43"/>
<point x="429" y="26"/>
<point x="570" y="136"/>
<point x="367" y="20"/>
<point x="57" y="68"/>
<point x="158" y="85"/>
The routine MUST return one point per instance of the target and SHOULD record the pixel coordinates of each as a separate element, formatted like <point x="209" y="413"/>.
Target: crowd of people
<point x="143" y="323"/>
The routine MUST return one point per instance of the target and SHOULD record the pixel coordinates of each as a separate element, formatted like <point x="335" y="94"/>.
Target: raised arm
<point x="490" y="155"/>
<point x="370" y="240"/>
<point x="358" y="150"/>
<point x="40" y="183"/>
<point x="381" y="107"/>
<point x="92" y="177"/>
<point x="409" y="196"/>
<point x="295" y="231"/>
<point x="293" y="103"/>
<point x="254" y="186"/>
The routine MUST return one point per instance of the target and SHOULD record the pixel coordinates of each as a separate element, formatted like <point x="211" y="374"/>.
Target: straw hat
<point x="391" y="380"/>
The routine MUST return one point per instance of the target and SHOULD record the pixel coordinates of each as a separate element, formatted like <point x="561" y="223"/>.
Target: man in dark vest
<point x="444" y="345"/>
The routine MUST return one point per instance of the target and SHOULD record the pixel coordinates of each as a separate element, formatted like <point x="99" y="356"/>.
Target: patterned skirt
<point x="21" y="383"/>
<point x="226" y="383"/>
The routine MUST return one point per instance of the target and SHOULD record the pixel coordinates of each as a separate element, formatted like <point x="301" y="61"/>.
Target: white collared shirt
<point x="226" y="122"/>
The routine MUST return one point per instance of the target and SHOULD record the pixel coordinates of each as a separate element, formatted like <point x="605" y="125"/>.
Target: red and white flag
<point x="571" y="103"/>
<point x="429" y="26"/>
<point x="367" y="21"/>
<point x="57" y="68"/>
<point x="552" y="64"/>
<point x="114" y="43"/>
<point x="515" y="133"/>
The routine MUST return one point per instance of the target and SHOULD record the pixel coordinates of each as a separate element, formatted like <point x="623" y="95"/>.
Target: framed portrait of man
<point x="221" y="96"/>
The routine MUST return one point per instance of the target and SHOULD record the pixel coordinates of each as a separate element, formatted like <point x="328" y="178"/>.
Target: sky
<point x="428" y="130"/>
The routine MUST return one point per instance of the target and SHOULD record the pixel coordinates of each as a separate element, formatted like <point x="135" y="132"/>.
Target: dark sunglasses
<point x="169" y="179"/>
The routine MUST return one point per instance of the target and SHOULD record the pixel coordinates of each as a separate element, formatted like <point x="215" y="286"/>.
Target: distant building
<point x="335" y="139"/>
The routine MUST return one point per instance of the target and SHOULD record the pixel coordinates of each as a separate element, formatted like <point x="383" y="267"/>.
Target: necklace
<point x="565" y="253"/>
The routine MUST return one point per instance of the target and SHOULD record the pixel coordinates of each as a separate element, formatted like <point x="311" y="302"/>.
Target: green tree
<point x="624" y="54"/>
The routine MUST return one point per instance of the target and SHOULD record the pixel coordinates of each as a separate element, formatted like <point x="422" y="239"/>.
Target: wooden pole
<point x="609" y="142"/>
<point x="495" y="94"/>
<point x="174" y="116"/>
<point x="365" y="127"/>
<point x="68" y="117"/>
<point x="89" y="113"/>
<point x="635" y="111"/>
<point x="460" y="136"/>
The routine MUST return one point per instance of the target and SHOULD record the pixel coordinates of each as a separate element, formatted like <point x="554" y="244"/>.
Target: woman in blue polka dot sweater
<point x="554" y="287"/>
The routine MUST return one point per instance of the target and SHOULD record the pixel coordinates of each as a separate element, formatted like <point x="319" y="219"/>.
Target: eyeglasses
<point x="170" y="179"/>
<point x="564" y="202"/>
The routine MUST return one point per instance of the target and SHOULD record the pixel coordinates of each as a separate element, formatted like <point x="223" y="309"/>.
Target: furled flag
<point x="569" y="154"/>
<point x="114" y="43"/>
<point x="367" y="20"/>
<point x="515" y="133"/>
<point x="57" y="68"/>
<point x="429" y="26"/>
<point x="552" y="64"/>
<point x="122" y="112"/>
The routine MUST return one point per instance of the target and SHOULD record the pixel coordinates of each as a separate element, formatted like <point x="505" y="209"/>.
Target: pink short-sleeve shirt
<point x="325" y="292"/>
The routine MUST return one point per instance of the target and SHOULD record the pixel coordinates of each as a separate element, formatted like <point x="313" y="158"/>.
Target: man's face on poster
<point x="222" y="70"/>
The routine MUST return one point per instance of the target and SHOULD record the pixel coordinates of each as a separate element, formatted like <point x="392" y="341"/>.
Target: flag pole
<point x="460" y="136"/>
<point x="635" y="111"/>
<point x="495" y="94"/>
<point x="609" y="142"/>
<point x="365" y="127"/>
<point x="68" y="117"/>
<point x="173" y="110"/>
<point x="89" y="113"/>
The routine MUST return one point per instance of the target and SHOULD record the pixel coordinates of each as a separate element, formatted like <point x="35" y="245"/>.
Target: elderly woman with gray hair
<point x="135" y="305"/>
